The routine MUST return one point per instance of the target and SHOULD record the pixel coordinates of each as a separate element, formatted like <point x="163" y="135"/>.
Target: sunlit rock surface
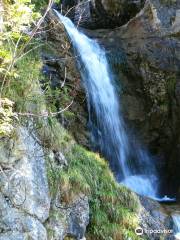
<point x="24" y="193"/>
<point x="69" y="219"/>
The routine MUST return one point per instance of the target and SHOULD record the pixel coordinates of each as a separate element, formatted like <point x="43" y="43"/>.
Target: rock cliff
<point x="144" y="54"/>
<point x="24" y="192"/>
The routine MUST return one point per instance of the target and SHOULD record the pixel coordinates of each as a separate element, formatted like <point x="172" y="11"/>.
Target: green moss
<point x="69" y="238"/>
<point x="39" y="5"/>
<point x="171" y="85"/>
<point x="113" y="208"/>
<point x="50" y="233"/>
<point x="168" y="2"/>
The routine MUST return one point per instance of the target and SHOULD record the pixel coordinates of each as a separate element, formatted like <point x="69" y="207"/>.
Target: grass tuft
<point x="113" y="208"/>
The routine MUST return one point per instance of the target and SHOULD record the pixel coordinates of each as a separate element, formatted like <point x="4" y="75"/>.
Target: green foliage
<point x="19" y="17"/>
<point x="6" y="117"/>
<point x="56" y="96"/>
<point x="112" y="207"/>
<point x="40" y="5"/>
<point x="53" y="136"/>
<point x="24" y="88"/>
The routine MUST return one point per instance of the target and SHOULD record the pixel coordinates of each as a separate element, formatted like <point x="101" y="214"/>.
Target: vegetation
<point x="113" y="208"/>
<point x="6" y="117"/>
<point x="15" y="40"/>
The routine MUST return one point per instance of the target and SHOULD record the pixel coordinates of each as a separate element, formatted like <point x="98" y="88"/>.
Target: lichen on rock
<point x="24" y="190"/>
<point x="6" y="117"/>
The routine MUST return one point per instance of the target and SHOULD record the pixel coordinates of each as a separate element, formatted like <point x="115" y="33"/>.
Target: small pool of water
<point x="166" y="199"/>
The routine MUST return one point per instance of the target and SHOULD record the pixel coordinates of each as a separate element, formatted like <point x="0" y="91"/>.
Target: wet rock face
<point x="145" y="58"/>
<point x="154" y="216"/>
<point x="146" y="62"/>
<point x="96" y="14"/>
<point x="24" y="194"/>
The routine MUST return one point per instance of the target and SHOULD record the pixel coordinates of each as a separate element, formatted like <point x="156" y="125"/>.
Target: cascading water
<point x="130" y="163"/>
<point x="176" y="220"/>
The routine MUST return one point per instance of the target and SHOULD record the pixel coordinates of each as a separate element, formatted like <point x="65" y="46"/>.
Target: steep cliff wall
<point x="149" y="76"/>
<point x="144" y="55"/>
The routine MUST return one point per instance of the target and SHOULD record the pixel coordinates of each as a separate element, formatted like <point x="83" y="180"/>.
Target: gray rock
<point x="79" y="218"/>
<point x="16" y="224"/>
<point x="13" y="236"/>
<point x="24" y="194"/>
<point x="154" y="217"/>
<point x="11" y="151"/>
<point x="60" y="159"/>
<point x="26" y="183"/>
<point x="69" y="220"/>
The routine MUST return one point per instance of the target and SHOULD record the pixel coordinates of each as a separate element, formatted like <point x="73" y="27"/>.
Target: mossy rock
<point x="6" y="117"/>
<point x="113" y="208"/>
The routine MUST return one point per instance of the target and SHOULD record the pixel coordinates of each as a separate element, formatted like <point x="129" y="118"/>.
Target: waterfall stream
<point x="176" y="220"/>
<point x="130" y="163"/>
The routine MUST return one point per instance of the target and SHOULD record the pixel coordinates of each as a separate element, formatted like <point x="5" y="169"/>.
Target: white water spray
<point x="131" y="165"/>
<point x="176" y="219"/>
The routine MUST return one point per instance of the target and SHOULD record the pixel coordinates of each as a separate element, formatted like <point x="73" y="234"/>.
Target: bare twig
<point x="65" y="74"/>
<point x="32" y="49"/>
<point x="45" y="114"/>
<point x="16" y="55"/>
<point x="37" y="27"/>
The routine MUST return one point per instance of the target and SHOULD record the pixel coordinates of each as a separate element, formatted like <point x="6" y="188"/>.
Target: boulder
<point x="15" y="224"/>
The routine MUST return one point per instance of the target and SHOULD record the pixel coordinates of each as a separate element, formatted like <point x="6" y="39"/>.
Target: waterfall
<point x="130" y="163"/>
<point x="176" y="220"/>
